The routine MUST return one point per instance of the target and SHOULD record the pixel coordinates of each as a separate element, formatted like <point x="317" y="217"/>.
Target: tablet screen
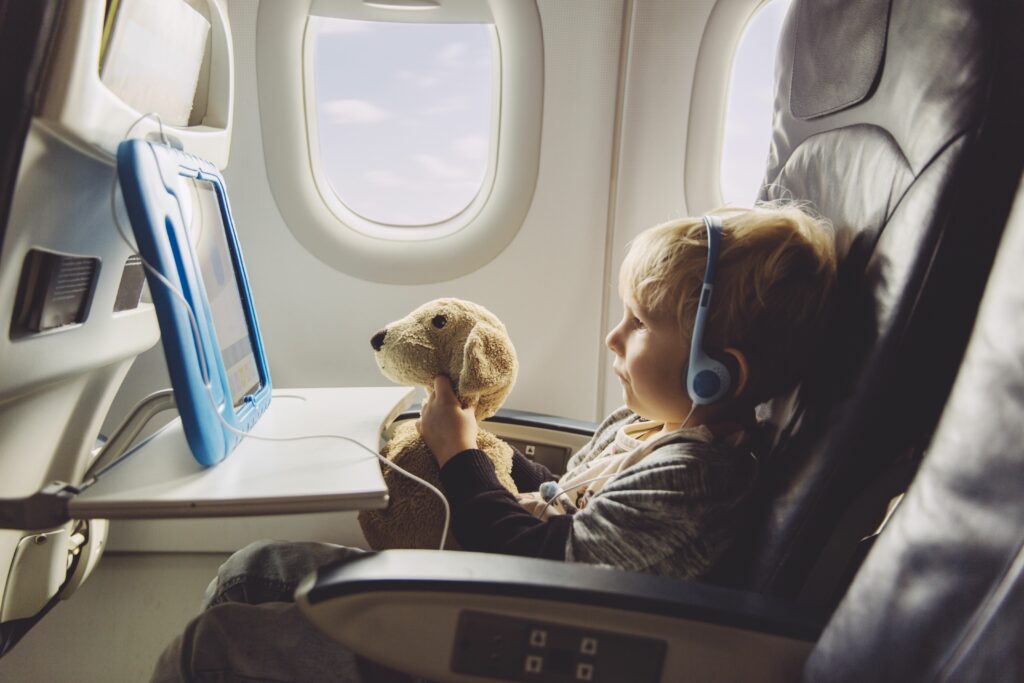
<point x="210" y="237"/>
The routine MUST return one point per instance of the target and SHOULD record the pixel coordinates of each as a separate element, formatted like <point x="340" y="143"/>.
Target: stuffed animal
<point x="468" y="344"/>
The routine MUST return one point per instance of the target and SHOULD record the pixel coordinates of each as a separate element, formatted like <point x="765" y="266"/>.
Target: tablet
<point x="178" y="208"/>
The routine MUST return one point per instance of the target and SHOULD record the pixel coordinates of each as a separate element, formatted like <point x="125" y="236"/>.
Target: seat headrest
<point x="855" y="31"/>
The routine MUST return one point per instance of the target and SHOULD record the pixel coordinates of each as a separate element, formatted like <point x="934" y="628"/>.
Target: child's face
<point x="650" y="362"/>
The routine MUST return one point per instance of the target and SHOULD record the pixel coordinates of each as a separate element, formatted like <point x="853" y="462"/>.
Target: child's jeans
<point x="251" y="630"/>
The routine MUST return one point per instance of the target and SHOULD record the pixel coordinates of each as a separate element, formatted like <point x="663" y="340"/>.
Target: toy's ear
<point x="489" y="368"/>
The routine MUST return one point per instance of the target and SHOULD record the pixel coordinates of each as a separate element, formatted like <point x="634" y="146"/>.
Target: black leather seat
<point x="941" y="595"/>
<point x="900" y="122"/>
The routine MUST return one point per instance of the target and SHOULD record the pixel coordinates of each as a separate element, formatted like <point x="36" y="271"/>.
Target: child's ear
<point x="739" y="370"/>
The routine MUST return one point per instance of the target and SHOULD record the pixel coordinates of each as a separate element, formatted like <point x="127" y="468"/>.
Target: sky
<point x="404" y="113"/>
<point x="748" y="119"/>
<point x="404" y="116"/>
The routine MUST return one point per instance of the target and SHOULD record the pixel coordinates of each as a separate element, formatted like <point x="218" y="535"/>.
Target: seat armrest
<point x="523" y="418"/>
<point x="545" y="439"/>
<point x="457" y="616"/>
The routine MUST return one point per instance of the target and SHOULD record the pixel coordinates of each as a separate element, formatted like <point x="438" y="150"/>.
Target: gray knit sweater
<point x="673" y="513"/>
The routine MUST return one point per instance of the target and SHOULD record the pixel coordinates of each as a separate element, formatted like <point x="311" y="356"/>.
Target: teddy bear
<point x="468" y="344"/>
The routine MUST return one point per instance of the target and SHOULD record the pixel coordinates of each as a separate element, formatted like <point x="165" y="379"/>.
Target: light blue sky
<point x="748" y="122"/>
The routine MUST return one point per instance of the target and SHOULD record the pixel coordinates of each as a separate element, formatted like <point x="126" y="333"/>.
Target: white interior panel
<point x="546" y="286"/>
<point x="663" y="51"/>
<point x="55" y="386"/>
<point x="617" y="156"/>
<point x="352" y="242"/>
<point x="318" y="322"/>
<point x="555" y="284"/>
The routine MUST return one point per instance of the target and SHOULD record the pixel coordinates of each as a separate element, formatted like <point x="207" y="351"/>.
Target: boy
<point x="657" y="489"/>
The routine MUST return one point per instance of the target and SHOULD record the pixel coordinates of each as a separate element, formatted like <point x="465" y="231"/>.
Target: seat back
<point x="941" y="595"/>
<point x="67" y="335"/>
<point x="893" y="119"/>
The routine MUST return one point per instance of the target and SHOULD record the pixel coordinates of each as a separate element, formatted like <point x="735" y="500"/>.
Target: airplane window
<point x="403" y="116"/>
<point x="748" y="118"/>
<point x="383" y="123"/>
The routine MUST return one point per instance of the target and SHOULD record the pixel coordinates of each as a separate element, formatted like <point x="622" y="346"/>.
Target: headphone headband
<point x="707" y="380"/>
<point x="713" y="224"/>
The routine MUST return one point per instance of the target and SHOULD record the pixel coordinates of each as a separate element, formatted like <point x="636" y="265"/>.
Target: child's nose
<point x="612" y="340"/>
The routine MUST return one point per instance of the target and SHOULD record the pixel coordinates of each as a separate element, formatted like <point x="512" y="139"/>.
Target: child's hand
<point x="446" y="426"/>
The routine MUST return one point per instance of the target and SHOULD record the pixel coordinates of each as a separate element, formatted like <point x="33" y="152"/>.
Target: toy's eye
<point x="439" y="321"/>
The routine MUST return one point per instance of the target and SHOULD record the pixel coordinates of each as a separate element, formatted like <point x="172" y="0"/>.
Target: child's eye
<point x="638" y="323"/>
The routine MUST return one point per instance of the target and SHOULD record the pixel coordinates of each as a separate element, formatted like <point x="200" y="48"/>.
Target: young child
<point x="659" y="487"/>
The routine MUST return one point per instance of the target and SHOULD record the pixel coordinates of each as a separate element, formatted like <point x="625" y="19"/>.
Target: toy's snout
<point x="377" y="342"/>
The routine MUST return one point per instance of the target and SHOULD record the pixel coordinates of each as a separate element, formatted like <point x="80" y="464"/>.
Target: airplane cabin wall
<point x="663" y="51"/>
<point x="554" y="286"/>
<point x="545" y="286"/>
<point x="614" y="141"/>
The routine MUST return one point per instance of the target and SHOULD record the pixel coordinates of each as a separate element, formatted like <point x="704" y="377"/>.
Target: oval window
<point x="383" y="155"/>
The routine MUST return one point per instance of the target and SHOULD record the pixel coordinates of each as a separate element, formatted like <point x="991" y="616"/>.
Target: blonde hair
<point x="776" y="271"/>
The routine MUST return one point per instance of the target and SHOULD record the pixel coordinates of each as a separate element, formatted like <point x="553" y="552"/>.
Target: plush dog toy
<point x="468" y="344"/>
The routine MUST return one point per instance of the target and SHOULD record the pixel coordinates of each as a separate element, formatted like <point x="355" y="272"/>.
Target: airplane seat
<point x="941" y="595"/>
<point x="66" y="344"/>
<point x="897" y="120"/>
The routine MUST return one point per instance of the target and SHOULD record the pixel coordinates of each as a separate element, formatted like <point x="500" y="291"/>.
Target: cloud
<point x="386" y="179"/>
<point x="440" y="169"/>
<point x="354" y="111"/>
<point x="452" y="55"/>
<point x="420" y="80"/>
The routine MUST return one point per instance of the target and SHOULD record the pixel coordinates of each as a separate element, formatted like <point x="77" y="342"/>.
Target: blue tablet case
<point x="179" y="212"/>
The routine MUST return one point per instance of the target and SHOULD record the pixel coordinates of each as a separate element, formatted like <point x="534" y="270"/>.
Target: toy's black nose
<point x="378" y="340"/>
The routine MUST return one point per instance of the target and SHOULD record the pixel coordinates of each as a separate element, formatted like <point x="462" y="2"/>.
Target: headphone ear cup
<point x="708" y="381"/>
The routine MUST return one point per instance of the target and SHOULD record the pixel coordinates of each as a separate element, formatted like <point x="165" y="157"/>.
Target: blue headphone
<point x="707" y="380"/>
